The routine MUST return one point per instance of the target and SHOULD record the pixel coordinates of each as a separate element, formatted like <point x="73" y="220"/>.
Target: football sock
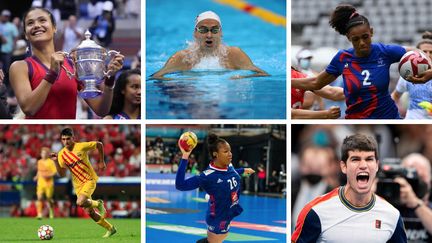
<point x="94" y="203"/>
<point x="39" y="206"/>
<point x="203" y="240"/>
<point x="102" y="222"/>
<point x="51" y="213"/>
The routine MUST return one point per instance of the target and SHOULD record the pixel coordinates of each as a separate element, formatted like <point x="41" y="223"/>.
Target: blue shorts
<point x="219" y="227"/>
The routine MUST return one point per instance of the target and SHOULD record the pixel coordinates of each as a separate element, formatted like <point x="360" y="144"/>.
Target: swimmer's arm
<point x="175" y="63"/>
<point x="240" y="60"/>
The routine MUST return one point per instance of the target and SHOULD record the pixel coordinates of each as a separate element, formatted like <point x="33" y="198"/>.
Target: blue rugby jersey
<point x="223" y="187"/>
<point x="366" y="81"/>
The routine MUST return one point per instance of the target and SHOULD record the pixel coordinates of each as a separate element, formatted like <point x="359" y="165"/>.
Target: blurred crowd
<point x="406" y="151"/>
<point x="114" y="209"/>
<point x="168" y="154"/>
<point x="20" y="147"/>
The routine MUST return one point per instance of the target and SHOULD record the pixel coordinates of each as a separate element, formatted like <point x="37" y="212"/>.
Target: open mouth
<point x="209" y="42"/>
<point x="362" y="178"/>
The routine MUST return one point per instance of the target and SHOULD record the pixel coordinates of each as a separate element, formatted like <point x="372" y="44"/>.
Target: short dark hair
<point x="358" y="142"/>
<point x="344" y="17"/>
<point x="67" y="132"/>
<point x="213" y="142"/>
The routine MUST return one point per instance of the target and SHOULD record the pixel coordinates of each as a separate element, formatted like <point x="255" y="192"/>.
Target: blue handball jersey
<point x="366" y="81"/>
<point x="223" y="187"/>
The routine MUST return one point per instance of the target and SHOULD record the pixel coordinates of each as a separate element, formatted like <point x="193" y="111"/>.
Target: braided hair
<point x="344" y="17"/>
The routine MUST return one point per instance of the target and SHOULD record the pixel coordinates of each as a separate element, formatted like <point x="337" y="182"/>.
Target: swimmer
<point x="208" y="46"/>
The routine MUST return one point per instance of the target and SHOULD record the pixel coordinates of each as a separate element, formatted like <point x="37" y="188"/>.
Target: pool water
<point x="211" y="93"/>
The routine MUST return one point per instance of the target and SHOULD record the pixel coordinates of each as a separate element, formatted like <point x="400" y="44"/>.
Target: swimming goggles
<point x="205" y="29"/>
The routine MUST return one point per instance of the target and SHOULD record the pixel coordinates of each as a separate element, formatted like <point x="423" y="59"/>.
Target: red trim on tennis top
<point x="302" y="216"/>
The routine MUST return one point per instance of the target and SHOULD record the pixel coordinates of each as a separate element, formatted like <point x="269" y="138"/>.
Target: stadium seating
<point x="394" y="21"/>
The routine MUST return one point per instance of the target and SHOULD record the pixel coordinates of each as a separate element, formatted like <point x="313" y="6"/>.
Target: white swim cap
<point x="207" y="15"/>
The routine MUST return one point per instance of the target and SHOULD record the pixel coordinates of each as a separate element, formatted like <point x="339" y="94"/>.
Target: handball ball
<point x="413" y="63"/>
<point x="188" y="141"/>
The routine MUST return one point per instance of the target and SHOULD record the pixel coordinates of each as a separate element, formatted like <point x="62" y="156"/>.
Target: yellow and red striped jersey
<point x="77" y="161"/>
<point x="46" y="170"/>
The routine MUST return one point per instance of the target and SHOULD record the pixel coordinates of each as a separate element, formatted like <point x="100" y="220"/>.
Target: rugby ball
<point x="413" y="63"/>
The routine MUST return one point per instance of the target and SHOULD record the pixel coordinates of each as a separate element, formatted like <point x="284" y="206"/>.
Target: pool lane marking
<point x="256" y="11"/>
<point x="259" y="227"/>
<point x="203" y="232"/>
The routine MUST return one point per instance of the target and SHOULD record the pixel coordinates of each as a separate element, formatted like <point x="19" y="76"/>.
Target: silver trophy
<point x="90" y="61"/>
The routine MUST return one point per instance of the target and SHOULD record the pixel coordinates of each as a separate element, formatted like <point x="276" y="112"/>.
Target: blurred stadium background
<point x="394" y="21"/>
<point x="315" y="167"/>
<point x="175" y="214"/>
<point x="119" y="185"/>
<point x="126" y="37"/>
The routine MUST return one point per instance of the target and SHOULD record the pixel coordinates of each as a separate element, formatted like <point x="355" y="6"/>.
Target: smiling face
<point x="360" y="168"/>
<point x="208" y="34"/>
<point x="132" y="90"/>
<point x="361" y="38"/>
<point x="38" y="26"/>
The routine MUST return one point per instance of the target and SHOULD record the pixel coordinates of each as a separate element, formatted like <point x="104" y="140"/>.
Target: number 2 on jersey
<point x="366" y="81"/>
<point x="232" y="182"/>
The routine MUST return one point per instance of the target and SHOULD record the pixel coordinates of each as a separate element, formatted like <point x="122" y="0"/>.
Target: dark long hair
<point x="118" y="96"/>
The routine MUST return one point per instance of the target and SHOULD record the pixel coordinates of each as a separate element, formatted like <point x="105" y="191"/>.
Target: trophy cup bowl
<point x="90" y="61"/>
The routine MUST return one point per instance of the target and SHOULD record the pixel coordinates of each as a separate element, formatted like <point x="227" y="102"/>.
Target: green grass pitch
<point x="68" y="230"/>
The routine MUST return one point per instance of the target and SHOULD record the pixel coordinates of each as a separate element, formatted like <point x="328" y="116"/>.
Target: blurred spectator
<point x="22" y="142"/>
<point x="314" y="167"/>
<point x="136" y="63"/>
<point x="416" y="212"/>
<point x="67" y="8"/>
<point x="304" y="61"/>
<point x="261" y="178"/>
<point x="94" y="8"/>
<point x="132" y="8"/>
<point x="274" y="182"/>
<point x="4" y="109"/>
<point x="103" y="25"/>
<point x="72" y="34"/>
<point x="10" y="33"/>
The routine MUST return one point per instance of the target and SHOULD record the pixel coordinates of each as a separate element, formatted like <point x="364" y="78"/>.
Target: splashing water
<point x="200" y="60"/>
<point x="208" y="63"/>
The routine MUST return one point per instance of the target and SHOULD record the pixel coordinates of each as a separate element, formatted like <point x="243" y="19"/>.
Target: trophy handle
<point x="69" y="74"/>
<point x="111" y="54"/>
